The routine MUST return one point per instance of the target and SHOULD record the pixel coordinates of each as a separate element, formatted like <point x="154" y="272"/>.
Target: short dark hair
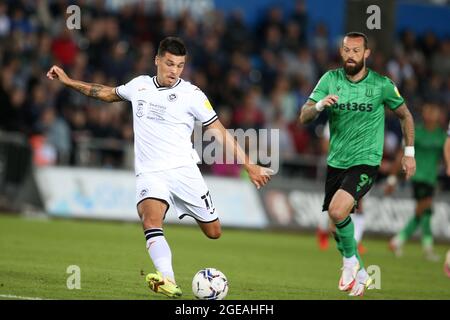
<point x="355" y="34"/>
<point x="172" y="45"/>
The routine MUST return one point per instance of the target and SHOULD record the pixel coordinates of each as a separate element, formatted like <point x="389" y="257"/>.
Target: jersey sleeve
<point x="202" y="108"/>
<point x="322" y="88"/>
<point x="391" y="97"/>
<point x="126" y="91"/>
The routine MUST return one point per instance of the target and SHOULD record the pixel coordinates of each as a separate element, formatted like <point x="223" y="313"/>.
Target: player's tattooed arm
<point x="407" y="123"/>
<point x="94" y="90"/>
<point x="308" y="112"/>
<point x="311" y="109"/>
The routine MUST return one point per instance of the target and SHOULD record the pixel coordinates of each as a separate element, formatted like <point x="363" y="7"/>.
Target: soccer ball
<point x="209" y="284"/>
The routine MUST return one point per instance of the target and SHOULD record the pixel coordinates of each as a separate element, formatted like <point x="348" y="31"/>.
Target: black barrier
<point x="15" y="166"/>
<point x="296" y="204"/>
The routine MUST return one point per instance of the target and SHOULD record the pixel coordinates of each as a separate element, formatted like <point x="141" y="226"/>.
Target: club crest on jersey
<point x="369" y="92"/>
<point x="140" y="108"/>
<point x="172" y="97"/>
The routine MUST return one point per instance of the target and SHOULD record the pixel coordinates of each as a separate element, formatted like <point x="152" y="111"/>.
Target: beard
<point x="351" y="70"/>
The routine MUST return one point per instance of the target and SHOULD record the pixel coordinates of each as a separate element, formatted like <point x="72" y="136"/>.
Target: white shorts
<point x="182" y="188"/>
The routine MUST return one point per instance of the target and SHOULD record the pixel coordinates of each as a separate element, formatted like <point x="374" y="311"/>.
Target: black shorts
<point x="355" y="180"/>
<point x="422" y="190"/>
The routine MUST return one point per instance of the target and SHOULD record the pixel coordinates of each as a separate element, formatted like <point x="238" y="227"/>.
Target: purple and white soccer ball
<point x="210" y="284"/>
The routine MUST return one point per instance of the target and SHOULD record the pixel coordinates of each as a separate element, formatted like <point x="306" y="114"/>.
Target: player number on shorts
<point x="207" y="198"/>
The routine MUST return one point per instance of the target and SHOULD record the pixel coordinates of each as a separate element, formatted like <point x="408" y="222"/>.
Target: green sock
<point x="409" y="229"/>
<point x="425" y="223"/>
<point x="341" y="249"/>
<point x="338" y="243"/>
<point x="346" y="233"/>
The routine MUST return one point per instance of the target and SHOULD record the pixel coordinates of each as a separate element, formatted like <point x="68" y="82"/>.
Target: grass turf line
<point x="35" y="254"/>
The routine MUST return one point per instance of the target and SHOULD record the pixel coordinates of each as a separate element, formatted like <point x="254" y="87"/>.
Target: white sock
<point x="323" y="222"/>
<point x="358" y="221"/>
<point x="159" y="251"/>
<point x="362" y="275"/>
<point x="350" y="261"/>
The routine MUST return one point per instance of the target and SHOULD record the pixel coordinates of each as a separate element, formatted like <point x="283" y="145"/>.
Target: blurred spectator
<point x="5" y="21"/>
<point x="56" y="132"/>
<point x="64" y="48"/>
<point x="249" y="114"/>
<point x="256" y="76"/>
<point x="300" y="17"/>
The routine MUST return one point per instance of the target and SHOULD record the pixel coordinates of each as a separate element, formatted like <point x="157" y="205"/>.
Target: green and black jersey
<point x="357" y="119"/>
<point x="428" y="145"/>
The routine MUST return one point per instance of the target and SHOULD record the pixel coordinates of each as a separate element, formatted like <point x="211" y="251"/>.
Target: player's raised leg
<point x="339" y="211"/>
<point x="212" y="229"/>
<point x="151" y="212"/>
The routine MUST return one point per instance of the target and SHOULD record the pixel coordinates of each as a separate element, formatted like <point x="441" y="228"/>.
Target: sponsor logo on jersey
<point x="354" y="106"/>
<point x="397" y="92"/>
<point x="156" y="111"/>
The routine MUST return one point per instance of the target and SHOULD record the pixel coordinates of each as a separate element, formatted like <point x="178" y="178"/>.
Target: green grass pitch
<point x="35" y="254"/>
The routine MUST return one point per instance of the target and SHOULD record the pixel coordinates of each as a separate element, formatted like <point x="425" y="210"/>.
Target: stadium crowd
<point x="255" y="76"/>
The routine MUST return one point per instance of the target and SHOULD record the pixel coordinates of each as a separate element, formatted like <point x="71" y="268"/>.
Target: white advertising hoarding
<point x="110" y="194"/>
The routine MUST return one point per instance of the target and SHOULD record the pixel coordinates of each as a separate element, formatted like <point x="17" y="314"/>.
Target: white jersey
<point x="163" y="121"/>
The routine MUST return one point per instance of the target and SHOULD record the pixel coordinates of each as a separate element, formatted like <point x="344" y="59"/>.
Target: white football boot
<point x="349" y="271"/>
<point x="363" y="282"/>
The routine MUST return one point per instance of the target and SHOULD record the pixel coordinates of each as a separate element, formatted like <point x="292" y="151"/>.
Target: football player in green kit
<point x="355" y="98"/>
<point x="429" y="142"/>
<point x="447" y="163"/>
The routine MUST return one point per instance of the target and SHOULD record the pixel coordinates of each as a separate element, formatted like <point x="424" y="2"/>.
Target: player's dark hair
<point x="355" y="34"/>
<point x="172" y="45"/>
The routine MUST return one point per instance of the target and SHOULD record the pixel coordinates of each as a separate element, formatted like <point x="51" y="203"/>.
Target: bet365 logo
<point x="354" y="106"/>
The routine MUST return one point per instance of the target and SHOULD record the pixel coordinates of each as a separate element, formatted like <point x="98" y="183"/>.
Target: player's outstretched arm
<point x="260" y="176"/>
<point x="407" y="123"/>
<point x="311" y="109"/>
<point x="94" y="90"/>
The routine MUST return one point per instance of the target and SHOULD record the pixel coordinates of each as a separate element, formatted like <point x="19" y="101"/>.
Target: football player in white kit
<point x="165" y="108"/>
